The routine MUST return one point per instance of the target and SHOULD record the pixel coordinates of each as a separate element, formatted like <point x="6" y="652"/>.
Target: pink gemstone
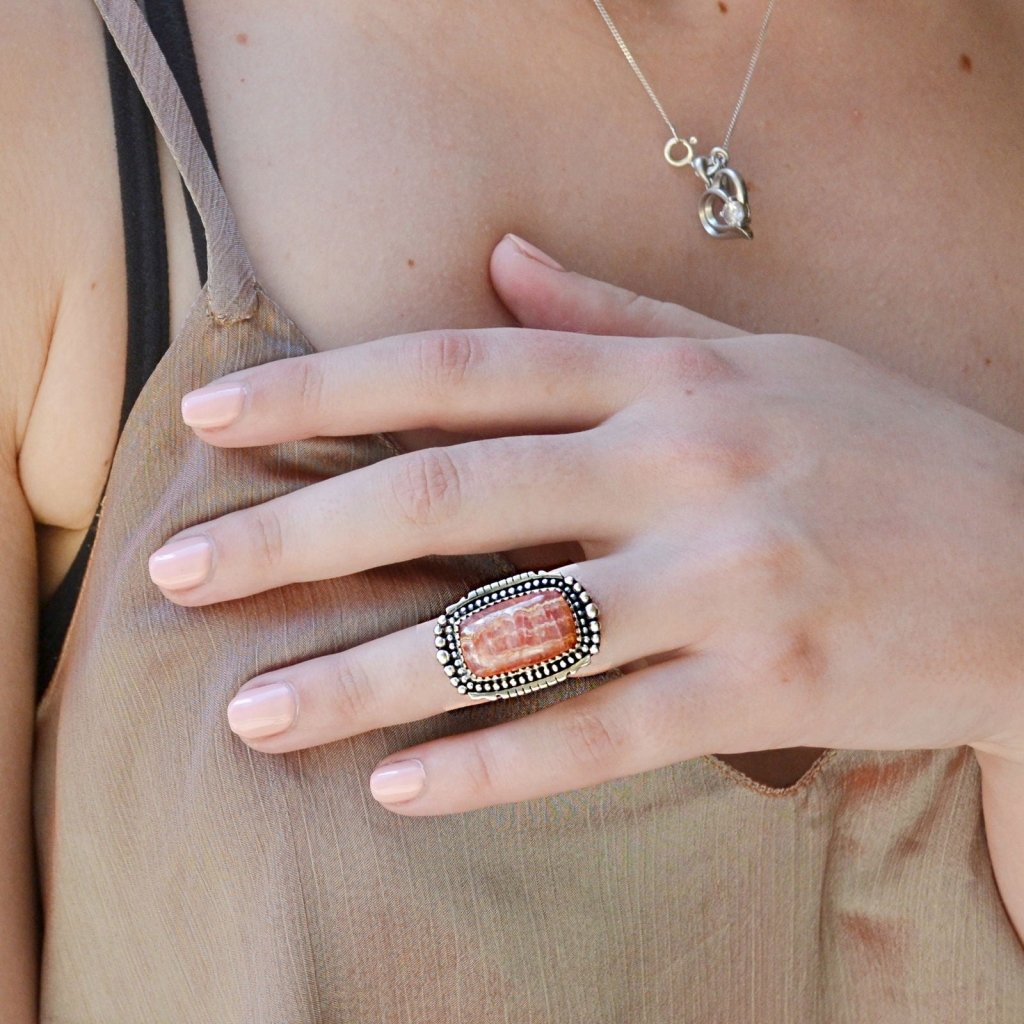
<point x="520" y="631"/>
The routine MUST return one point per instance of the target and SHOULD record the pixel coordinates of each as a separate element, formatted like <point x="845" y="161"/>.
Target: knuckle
<point x="727" y="460"/>
<point x="591" y="741"/>
<point x="267" y="538"/>
<point x="447" y="359"/>
<point x="426" y="487"/>
<point x="351" y="697"/>
<point x="797" y="660"/>
<point x="776" y="563"/>
<point x="692" y="363"/>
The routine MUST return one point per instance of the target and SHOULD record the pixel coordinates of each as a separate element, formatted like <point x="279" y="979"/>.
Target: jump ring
<point x="687" y="157"/>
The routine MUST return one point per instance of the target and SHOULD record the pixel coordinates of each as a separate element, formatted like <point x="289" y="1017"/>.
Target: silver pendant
<point x="724" y="209"/>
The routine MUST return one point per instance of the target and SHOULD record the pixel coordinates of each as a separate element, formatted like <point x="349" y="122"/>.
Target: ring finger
<point x="396" y="678"/>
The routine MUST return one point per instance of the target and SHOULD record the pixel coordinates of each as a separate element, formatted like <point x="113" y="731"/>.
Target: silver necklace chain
<point x="724" y="210"/>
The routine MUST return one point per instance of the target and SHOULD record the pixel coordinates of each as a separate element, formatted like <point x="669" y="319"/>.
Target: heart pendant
<point x="724" y="209"/>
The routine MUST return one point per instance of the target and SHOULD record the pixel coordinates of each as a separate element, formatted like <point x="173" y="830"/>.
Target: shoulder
<point x="61" y="264"/>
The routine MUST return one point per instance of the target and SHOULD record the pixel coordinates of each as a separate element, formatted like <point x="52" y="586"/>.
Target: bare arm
<point x="38" y="242"/>
<point x="19" y="929"/>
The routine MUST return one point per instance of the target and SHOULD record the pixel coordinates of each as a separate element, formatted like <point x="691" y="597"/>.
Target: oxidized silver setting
<point x="532" y="677"/>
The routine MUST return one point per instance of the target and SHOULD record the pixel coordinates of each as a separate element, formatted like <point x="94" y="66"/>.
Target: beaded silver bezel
<point x="447" y="637"/>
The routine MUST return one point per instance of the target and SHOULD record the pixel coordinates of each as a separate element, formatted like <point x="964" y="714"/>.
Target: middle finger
<point x="479" y="496"/>
<point x="486" y="381"/>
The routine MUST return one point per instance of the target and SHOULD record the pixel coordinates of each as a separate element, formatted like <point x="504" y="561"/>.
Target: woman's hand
<point x="789" y="545"/>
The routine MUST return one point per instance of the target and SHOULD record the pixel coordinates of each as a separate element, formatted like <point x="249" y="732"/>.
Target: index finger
<point x="485" y="380"/>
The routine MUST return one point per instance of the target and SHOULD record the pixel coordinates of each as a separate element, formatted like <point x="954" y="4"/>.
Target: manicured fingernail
<point x="533" y="252"/>
<point x="215" y="406"/>
<point x="181" y="563"/>
<point x="263" y="710"/>
<point x="400" y="780"/>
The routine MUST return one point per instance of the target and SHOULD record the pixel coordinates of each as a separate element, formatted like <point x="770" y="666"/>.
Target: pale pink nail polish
<point x="533" y="252"/>
<point x="400" y="780"/>
<point x="181" y="563"/>
<point x="263" y="710"/>
<point x="214" y="406"/>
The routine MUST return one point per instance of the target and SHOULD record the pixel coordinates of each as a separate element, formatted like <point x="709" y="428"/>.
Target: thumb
<point x="541" y="293"/>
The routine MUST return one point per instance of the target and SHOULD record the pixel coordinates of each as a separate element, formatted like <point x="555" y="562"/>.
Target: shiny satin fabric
<point x="188" y="878"/>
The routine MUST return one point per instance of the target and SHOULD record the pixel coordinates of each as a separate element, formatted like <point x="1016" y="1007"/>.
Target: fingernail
<point x="214" y="406"/>
<point x="263" y="710"/>
<point x="181" y="563"/>
<point x="533" y="252"/>
<point x="400" y="780"/>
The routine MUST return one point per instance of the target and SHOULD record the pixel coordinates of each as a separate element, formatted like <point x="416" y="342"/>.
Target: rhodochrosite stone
<point x="520" y="631"/>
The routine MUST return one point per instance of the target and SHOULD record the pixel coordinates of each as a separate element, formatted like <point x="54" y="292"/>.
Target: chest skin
<point x="375" y="151"/>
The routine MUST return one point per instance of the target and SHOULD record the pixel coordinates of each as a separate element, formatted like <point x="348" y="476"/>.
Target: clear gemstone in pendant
<point x="734" y="213"/>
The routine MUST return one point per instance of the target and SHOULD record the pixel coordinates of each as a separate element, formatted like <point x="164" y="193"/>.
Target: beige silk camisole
<point x="188" y="879"/>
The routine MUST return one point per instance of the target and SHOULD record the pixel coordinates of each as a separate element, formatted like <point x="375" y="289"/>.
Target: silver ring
<point x="517" y="634"/>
